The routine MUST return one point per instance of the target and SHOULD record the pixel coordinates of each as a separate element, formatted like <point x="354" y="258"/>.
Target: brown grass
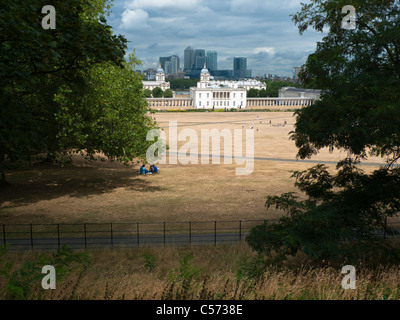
<point x="105" y="191"/>
<point x="122" y="274"/>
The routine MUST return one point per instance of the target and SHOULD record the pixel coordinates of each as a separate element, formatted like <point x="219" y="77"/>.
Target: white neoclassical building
<point x="211" y="94"/>
<point x="217" y="94"/>
<point x="159" y="82"/>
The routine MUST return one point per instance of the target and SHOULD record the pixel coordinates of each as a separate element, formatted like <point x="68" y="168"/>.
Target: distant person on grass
<point x="143" y="170"/>
<point x="153" y="169"/>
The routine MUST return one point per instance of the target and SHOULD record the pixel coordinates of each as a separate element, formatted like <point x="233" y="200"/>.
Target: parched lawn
<point x="105" y="191"/>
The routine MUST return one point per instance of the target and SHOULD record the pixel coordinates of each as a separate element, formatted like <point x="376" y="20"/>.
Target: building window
<point x="208" y="103"/>
<point x="233" y="103"/>
<point x="242" y="95"/>
<point x="199" y="95"/>
<point x="208" y="95"/>
<point x="234" y="95"/>
<point x="199" y="103"/>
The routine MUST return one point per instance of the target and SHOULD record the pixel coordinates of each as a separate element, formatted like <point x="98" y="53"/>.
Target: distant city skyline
<point x="260" y="30"/>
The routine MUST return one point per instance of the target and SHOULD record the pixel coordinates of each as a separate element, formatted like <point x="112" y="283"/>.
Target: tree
<point x="110" y="116"/>
<point x="273" y="87"/>
<point x="157" y="92"/>
<point x="359" y="113"/>
<point x="168" y="93"/>
<point x="147" y="93"/>
<point x="263" y="93"/>
<point x="37" y="64"/>
<point x="252" y="93"/>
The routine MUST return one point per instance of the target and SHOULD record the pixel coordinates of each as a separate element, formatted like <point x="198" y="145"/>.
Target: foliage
<point x="359" y="112"/>
<point x="182" y="84"/>
<point x="252" y="268"/>
<point x="273" y="87"/>
<point x="252" y="93"/>
<point x="147" y="93"/>
<point x="168" y="93"/>
<point x="53" y="84"/>
<point x="157" y="92"/>
<point x="150" y="261"/>
<point x="109" y="117"/>
<point x="186" y="271"/>
<point x="23" y="282"/>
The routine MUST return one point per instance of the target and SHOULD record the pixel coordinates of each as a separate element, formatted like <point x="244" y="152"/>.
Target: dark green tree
<point x="157" y="92"/>
<point x="263" y="93"/>
<point x="147" y="93"/>
<point x="273" y="87"/>
<point x="168" y="93"/>
<point x="110" y="117"/>
<point x="252" y="93"/>
<point x="359" y="113"/>
<point x="37" y="65"/>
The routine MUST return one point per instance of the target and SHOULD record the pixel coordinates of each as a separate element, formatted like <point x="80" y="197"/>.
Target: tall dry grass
<point x="212" y="273"/>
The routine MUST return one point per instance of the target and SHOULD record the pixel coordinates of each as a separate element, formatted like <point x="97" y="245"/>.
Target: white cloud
<point x="163" y="4"/>
<point x="269" y="50"/>
<point x="134" y="19"/>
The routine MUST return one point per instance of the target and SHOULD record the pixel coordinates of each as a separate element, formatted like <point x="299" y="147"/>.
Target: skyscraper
<point x="199" y="59"/>
<point x="239" y="67"/>
<point x="212" y="60"/>
<point x="188" y="59"/>
<point x="170" y="64"/>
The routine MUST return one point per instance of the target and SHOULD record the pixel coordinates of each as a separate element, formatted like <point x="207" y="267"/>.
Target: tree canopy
<point x="359" y="113"/>
<point x="37" y="65"/>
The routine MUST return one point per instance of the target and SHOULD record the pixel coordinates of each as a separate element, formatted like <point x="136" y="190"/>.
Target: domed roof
<point x="204" y="70"/>
<point x="160" y="70"/>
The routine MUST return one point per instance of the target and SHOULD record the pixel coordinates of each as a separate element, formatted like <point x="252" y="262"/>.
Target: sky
<point x="260" y="30"/>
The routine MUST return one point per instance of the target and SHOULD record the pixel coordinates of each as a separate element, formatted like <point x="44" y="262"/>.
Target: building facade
<point x="159" y="81"/>
<point x="188" y="63"/>
<point x="240" y="67"/>
<point x="212" y="61"/>
<point x="211" y="94"/>
<point x="290" y="92"/>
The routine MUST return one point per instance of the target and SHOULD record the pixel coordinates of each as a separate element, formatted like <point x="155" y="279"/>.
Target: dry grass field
<point x="153" y="274"/>
<point x="104" y="191"/>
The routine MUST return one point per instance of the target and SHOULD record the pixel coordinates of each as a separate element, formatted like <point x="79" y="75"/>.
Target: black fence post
<point x="190" y="232"/>
<point x="137" y="234"/>
<point x="30" y="226"/>
<point x="164" y="233"/>
<point x="215" y="233"/>
<point x="112" y="236"/>
<point x="240" y="230"/>
<point x="4" y="234"/>
<point x="84" y="228"/>
<point x="58" y="235"/>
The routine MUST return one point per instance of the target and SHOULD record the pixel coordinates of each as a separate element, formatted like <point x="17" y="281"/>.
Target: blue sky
<point x="260" y="30"/>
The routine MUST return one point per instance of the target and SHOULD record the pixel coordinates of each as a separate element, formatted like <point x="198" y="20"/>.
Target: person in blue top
<point x="153" y="169"/>
<point x="143" y="169"/>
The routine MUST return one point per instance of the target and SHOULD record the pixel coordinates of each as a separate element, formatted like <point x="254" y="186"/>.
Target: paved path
<point x="280" y="159"/>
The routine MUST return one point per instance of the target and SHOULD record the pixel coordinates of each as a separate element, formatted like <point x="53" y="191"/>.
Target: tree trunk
<point x="3" y="177"/>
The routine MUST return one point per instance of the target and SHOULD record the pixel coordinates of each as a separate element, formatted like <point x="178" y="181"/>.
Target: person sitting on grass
<point x="143" y="169"/>
<point x="153" y="169"/>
